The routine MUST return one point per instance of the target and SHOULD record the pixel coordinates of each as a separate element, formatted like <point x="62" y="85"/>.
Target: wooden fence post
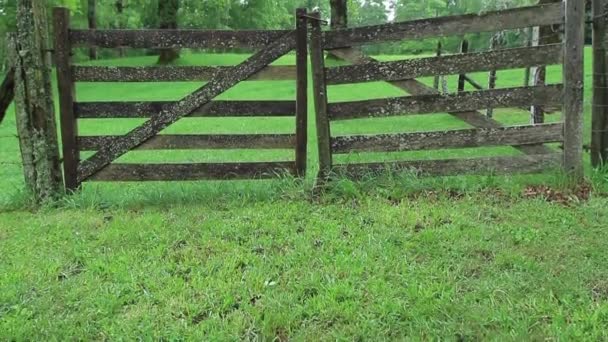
<point x="69" y="123"/>
<point x="599" y="134"/>
<point x="573" y="87"/>
<point x="462" y="79"/>
<point x="302" y="91"/>
<point x="317" y="57"/>
<point x="34" y="108"/>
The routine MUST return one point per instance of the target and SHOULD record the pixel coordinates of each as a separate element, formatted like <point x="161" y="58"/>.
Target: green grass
<point x="390" y="257"/>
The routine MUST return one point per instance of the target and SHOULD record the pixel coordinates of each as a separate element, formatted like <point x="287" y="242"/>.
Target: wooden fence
<point x="464" y="105"/>
<point x="101" y="167"/>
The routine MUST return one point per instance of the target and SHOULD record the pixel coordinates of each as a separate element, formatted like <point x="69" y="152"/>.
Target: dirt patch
<point x="581" y="193"/>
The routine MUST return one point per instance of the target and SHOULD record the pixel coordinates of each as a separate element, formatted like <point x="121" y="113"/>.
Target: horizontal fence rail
<point x="540" y="15"/>
<point x="468" y="138"/>
<point x="173" y="73"/>
<point x="447" y="65"/>
<point x="108" y="110"/>
<point x="199" y="142"/>
<point x="454" y="167"/>
<point x="191" y="172"/>
<point x="154" y="39"/>
<point x="457" y="102"/>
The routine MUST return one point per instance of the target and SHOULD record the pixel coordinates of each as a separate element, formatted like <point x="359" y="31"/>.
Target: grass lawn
<point x="461" y="258"/>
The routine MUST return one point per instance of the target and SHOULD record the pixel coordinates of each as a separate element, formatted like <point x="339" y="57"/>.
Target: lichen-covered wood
<point x="109" y="110"/>
<point x="466" y="138"/>
<point x="198" y="142"/>
<point x="528" y="164"/>
<point x="446" y="26"/>
<point x="157" y="39"/>
<point x="173" y="112"/>
<point x="446" y="65"/>
<point x="34" y="108"/>
<point x="191" y="172"/>
<point x="415" y="87"/>
<point x="172" y="73"/>
<point x="457" y="102"/>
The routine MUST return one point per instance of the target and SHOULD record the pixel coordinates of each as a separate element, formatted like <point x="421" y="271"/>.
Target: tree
<point x="34" y="107"/>
<point x="167" y="13"/>
<point x="339" y="14"/>
<point x="92" y="19"/>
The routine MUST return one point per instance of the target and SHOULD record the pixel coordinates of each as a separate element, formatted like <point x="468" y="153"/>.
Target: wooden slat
<point x="415" y="87"/>
<point x="150" y="39"/>
<point x="457" y="167"/>
<point x="173" y="73"/>
<point x="111" y="110"/>
<point x="192" y="172"/>
<point x="174" y="112"/>
<point x="540" y="15"/>
<point x="450" y="103"/>
<point x="198" y="142"/>
<point x="467" y="138"/>
<point x="447" y="65"/>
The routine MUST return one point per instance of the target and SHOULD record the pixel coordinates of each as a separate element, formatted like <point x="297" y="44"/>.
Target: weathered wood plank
<point x="191" y="172"/>
<point x="447" y="26"/>
<point x="447" y="65"/>
<point x="449" y="103"/>
<point x="67" y="95"/>
<point x="574" y="76"/>
<point x="198" y="142"/>
<point x="108" y="110"/>
<point x="456" y="167"/>
<point x="172" y="113"/>
<point x="173" y="73"/>
<point x="464" y="49"/>
<point x="415" y="87"/>
<point x="317" y="58"/>
<point x="151" y="39"/>
<point x="467" y="138"/>
<point x="301" y="91"/>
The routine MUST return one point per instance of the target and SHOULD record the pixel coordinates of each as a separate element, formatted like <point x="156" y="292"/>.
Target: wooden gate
<point x="101" y="167"/>
<point x="530" y="140"/>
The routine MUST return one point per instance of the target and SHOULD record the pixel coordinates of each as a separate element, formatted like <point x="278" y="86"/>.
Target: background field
<point x="395" y="257"/>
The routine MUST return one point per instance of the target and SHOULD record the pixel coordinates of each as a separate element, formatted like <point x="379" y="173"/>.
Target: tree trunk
<point x="34" y="106"/>
<point x="167" y="12"/>
<point x="92" y="18"/>
<point x="120" y="6"/>
<point x="339" y="14"/>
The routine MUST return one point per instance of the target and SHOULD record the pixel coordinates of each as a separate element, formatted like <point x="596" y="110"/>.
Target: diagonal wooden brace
<point x="171" y="113"/>
<point x="414" y="87"/>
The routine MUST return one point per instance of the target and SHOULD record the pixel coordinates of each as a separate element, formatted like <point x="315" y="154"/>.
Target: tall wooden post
<point x="34" y="108"/>
<point x="317" y="58"/>
<point x="69" y="123"/>
<point x="495" y="42"/>
<point x="573" y="87"/>
<point x="599" y="134"/>
<point x="302" y="91"/>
